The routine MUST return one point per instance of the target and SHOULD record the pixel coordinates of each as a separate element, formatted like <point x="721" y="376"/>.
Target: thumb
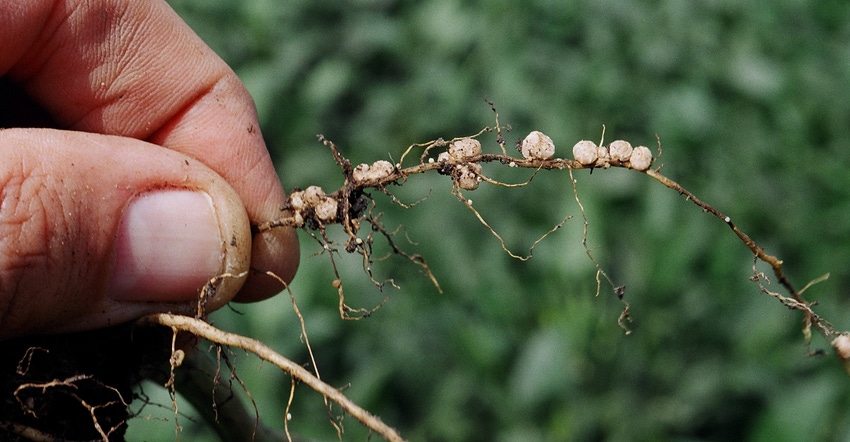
<point x="97" y="230"/>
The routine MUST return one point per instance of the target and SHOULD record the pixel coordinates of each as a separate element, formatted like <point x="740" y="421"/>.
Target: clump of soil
<point x="76" y="386"/>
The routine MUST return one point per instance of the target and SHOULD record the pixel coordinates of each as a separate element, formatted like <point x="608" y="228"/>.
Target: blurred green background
<point x="751" y="103"/>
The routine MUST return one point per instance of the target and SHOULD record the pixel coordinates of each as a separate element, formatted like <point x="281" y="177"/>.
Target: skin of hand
<point x="131" y="169"/>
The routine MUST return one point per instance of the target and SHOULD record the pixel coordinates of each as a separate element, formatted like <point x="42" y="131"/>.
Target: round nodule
<point x="620" y="151"/>
<point x="585" y="152"/>
<point x="537" y="146"/>
<point x="641" y="158"/>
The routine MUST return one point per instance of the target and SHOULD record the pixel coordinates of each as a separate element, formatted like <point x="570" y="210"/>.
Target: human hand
<point x="146" y="181"/>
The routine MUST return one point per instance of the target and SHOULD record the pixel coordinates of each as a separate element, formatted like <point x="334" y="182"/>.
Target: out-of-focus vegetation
<point x="751" y="103"/>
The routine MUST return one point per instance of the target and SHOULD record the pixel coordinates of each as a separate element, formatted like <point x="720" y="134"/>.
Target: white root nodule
<point x="468" y="176"/>
<point x="313" y="195"/>
<point x="377" y="171"/>
<point x="641" y="158"/>
<point x="464" y="148"/>
<point x="585" y="152"/>
<point x="620" y="151"/>
<point x="326" y="210"/>
<point x="538" y="146"/>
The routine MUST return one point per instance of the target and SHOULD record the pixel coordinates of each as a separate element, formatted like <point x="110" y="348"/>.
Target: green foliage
<point x="749" y="102"/>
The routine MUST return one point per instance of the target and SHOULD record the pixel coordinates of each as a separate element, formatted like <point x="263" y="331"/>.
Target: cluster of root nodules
<point x="351" y="206"/>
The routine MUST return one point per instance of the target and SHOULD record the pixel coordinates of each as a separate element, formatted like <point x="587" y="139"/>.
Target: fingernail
<point x="168" y="246"/>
